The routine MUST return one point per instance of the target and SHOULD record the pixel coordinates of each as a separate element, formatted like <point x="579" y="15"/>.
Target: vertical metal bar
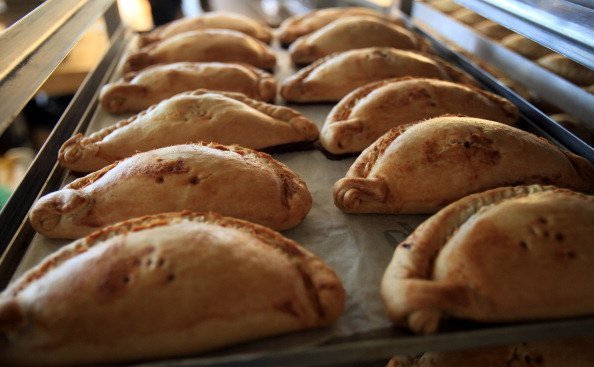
<point x="112" y="19"/>
<point x="405" y="6"/>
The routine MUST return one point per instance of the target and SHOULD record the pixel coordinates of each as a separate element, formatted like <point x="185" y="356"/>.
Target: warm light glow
<point x="136" y="14"/>
<point x="382" y="3"/>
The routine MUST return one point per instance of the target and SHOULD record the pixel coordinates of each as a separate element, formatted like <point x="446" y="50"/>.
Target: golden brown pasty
<point x="205" y="45"/>
<point x="233" y="181"/>
<point x="508" y="254"/>
<point x="333" y="77"/>
<point x="299" y="25"/>
<point x="351" y="33"/>
<point x="575" y="352"/>
<point x="445" y="6"/>
<point x="201" y="115"/>
<point x="492" y="30"/>
<point x="139" y="91"/>
<point x="568" y="69"/>
<point x="369" y="112"/>
<point x="577" y="127"/>
<point x="525" y="46"/>
<point x="211" y="20"/>
<point x="422" y="167"/>
<point x="467" y="16"/>
<point x="163" y="286"/>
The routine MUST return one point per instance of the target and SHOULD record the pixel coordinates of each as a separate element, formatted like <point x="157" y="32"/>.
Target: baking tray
<point x="358" y="247"/>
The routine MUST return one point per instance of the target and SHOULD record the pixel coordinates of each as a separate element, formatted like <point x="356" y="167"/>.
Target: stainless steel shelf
<point x="35" y="46"/>
<point x="566" y="27"/>
<point x="553" y="88"/>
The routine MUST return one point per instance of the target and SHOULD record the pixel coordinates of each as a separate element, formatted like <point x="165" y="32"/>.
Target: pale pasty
<point x="211" y="20"/>
<point x="369" y="112"/>
<point x="508" y="254"/>
<point x="205" y="45"/>
<point x="525" y="46"/>
<point x="422" y="167"/>
<point x="351" y="33"/>
<point x="222" y="117"/>
<point x="575" y="352"/>
<point x="568" y="69"/>
<point x="333" y="77"/>
<point x="163" y="286"/>
<point x="233" y="181"/>
<point x="139" y="91"/>
<point x="299" y="25"/>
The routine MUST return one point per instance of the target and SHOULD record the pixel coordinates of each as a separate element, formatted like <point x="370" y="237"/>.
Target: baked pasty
<point x="351" y="33"/>
<point x="577" y="127"/>
<point x="205" y="45"/>
<point x="370" y="111"/>
<point x="422" y="167"/>
<point x="211" y="20"/>
<point x="492" y="30"/>
<point x="333" y="77"/>
<point x="233" y="181"/>
<point x="139" y="91"/>
<point x="576" y="352"/>
<point x="508" y="254"/>
<point x="163" y="286"/>
<point x="467" y="16"/>
<point x="525" y="46"/>
<point x="299" y="25"/>
<point x="222" y="117"/>
<point x="568" y="69"/>
<point x="445" y="6"/>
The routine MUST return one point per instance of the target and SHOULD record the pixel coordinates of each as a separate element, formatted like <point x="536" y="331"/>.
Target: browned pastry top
<point x="368" y="112"/>
<point x="350" y="33"/>
<point x="333" y="77"/>
<point x="420" y="168"/>
<point x="162" y="286"/>
<point x="204" y="45"/>
<point x="210" y="20"/>
<point x="140" y="90"/>
<point x="507" y="254"/>
<point x="231" y="180"/>
<point x="201" y="115"/>
<point x="299" y="25"/>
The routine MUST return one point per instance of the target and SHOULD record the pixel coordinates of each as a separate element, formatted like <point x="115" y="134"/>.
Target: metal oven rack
<point x="36" y="45"/>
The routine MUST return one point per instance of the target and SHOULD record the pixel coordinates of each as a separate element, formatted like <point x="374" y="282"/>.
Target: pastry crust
<point x="420" y="168"/>
<point x="467" y="16"/>
<point x="233" y="181"/>
<point x="576" y="352"/>
<point x="368" y="112"/>
<point x="445" y="6"/>
<point x="211" y="20"/>
<point x="138" y="91"/>
<point x="108" y="297"/>
<point x="525" y="46"/>
<point x="331" y="78"/>
<point x="204" y="45"/>
<point x="492" y="30"/>
<point x="222" y="117"/>
<point x="568" y="69"/>
<point x="300" y="25"/>
<point x="508" y="254"/>
<point x="351" y="33"/>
